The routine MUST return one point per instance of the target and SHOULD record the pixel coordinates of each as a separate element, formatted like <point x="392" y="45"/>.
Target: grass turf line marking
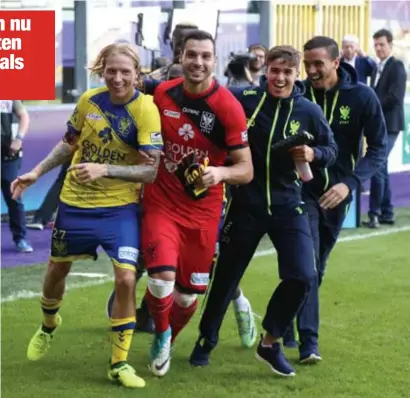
<point x="88" y="274"/>
<point x="351" y="238"/>
<point x="28" y="294"/>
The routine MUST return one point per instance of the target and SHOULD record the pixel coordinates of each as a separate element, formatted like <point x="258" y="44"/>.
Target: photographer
<point x="238" y="70"/>
<point x="257" y="63"/>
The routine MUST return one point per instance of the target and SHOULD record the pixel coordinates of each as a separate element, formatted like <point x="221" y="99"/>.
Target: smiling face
<point x="198" y="61"/>
<point x="281" y="76"/>
<point x="120" y="74"/>
<point x="320" y="68"/>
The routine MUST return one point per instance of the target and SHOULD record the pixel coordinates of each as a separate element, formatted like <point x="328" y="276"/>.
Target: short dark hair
<point x="288" y="53"/>
<point x="185" y="25"/>
<point x="257" y="46"/>
<point x="384" y="33"/>
<point x="323" y="42"/>
<point x="199" y="35"/>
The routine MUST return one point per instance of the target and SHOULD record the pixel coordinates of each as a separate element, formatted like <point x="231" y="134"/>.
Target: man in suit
<point x="354" y="56"/>
<point x="389" y="82"/>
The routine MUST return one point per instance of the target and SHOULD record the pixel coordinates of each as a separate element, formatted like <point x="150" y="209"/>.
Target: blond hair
<point x="98" y="66"/>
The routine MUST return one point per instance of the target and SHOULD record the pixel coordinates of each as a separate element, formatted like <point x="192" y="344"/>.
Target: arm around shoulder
<point x="236" y="140"/>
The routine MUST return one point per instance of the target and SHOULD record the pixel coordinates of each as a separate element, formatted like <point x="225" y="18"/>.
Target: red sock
<point x="160" y="310"/>
<point x="180" y="317"/>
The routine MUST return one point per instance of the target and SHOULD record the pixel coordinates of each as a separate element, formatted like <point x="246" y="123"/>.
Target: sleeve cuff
<point x="318" y="154"/>
<point x="351" y="182"/>
<point x="149" y="147"/>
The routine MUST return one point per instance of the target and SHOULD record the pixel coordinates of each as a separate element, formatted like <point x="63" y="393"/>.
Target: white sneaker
<point x="35" y="225"/>
<point x="161" y="353"/>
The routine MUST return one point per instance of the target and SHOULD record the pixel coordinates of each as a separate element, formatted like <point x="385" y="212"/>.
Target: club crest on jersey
<point x="124" y="126"/>
<point x="207" y="122"/>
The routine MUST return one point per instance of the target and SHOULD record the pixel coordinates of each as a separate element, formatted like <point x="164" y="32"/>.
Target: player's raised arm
<point x="59" y="155"/>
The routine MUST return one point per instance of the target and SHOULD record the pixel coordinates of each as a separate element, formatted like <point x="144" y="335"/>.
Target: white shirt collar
<point x="352" y="61"/>
<point x="383" y="63"/>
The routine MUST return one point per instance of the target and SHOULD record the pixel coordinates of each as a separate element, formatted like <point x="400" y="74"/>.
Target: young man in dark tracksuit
<point x="353" y="111"/>
<point x="272" y="204"/>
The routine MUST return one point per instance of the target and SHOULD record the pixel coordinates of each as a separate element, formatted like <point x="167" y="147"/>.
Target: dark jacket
<point x="353" y="111"/>
<point x="391" y="90"/>
<point x="364" y="67"/>
<point x="270" y="120"/>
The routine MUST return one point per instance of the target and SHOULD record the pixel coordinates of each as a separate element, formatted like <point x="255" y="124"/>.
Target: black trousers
<point x="17" y="222"/>
<point x="325" y="226"/>
<point x="289" y="232"/>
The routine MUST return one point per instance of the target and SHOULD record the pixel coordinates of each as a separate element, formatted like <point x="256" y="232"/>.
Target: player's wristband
<point x="19" y="136"/>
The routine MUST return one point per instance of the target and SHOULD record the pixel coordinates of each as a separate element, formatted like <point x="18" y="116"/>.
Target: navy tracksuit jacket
<point x="272" y="204"/>
<point x="353" y="111"/>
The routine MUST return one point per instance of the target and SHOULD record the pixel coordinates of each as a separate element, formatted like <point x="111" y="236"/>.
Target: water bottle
<point x="304" y="170"/>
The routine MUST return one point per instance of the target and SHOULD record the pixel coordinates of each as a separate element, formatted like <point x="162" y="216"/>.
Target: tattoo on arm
<point x="136" y="173"/>
<point x="60" y="154"/>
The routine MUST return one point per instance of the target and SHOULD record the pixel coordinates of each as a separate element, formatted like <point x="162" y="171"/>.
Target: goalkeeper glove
<point x="188" y="171"/>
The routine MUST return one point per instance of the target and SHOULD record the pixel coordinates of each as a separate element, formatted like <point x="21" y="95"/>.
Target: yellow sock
<point x="122" y="331"/>
<point x="50" y="309"/>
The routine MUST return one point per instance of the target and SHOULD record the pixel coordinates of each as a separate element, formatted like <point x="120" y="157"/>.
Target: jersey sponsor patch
<point x="156" y="138"/>
<point x="199" y="279"/>
<point x="128" y="253"/>
<point x="244" y="136"/>
<point x="186" y="132"/>
<point x="195" y="112"/>
<point x="94" y="116"/>
<point x="175" y="115"/>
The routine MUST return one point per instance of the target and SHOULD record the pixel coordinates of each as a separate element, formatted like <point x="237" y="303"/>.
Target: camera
<point x="238" y="66"/>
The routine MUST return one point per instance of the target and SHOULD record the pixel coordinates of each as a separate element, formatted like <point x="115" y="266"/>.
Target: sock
<point x="241" y="303"/>
<point x="144" y="306"/>
<point x="122" y="331"/>
<point x="236" y="293"/>
<point x="180" y="317"/>
<point x="160" y="308"/>
<point x="50" y="309"/>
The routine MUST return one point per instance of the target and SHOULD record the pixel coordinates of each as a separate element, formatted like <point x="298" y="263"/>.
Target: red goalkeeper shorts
<point x="170" y="246"/>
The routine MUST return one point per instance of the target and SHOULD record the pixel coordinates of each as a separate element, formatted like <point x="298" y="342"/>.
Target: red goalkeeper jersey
<point x="211" y="124"/>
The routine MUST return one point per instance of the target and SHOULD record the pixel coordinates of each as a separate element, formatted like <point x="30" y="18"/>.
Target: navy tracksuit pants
<point x="325" y="226"/>
<point x="17" y="219"/>
<point x="289" y="231"/>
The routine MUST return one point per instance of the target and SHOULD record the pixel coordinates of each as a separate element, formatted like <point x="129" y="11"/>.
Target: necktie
<point x="379" y="73"/>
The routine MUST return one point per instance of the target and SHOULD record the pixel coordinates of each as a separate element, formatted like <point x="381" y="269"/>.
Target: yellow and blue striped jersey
<point x="111" y="134"/>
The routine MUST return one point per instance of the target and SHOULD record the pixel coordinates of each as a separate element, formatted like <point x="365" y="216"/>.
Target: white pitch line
<point x="351" y="238"/>
<point x="88" y="274"/>
<point x="27" y="294"/>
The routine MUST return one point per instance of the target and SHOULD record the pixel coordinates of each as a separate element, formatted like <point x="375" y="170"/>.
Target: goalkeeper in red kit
<point x="202" y="123"/>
